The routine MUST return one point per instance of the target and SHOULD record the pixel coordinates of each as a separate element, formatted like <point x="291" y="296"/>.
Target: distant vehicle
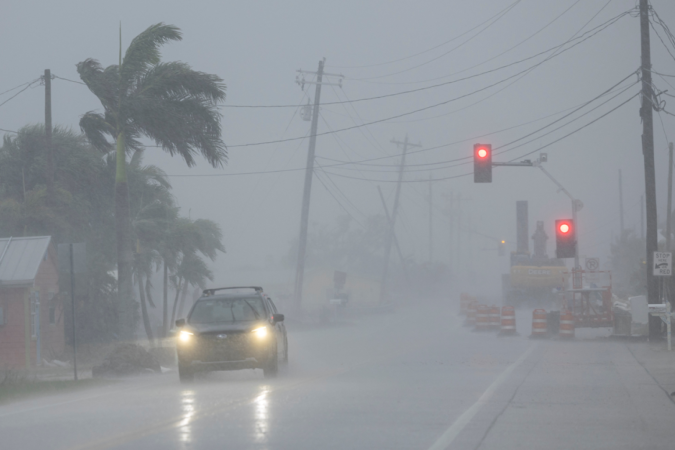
<point x="230" y="330"/>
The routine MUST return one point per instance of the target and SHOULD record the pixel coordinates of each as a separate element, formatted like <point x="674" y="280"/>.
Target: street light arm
<point x="562" y="188"/>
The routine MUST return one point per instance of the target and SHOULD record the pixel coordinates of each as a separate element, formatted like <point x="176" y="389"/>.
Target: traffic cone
<point x="508" y="323"/>
<point x="566" y="325"/>
<point x="539" y="327"/>
<point x="482" y="318"/>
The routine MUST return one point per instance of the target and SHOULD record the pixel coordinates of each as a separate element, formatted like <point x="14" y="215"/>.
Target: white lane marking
<point x="462" y="421"/>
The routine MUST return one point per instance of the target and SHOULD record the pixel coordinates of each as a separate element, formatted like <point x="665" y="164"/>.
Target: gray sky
<point x="256" y="47"/>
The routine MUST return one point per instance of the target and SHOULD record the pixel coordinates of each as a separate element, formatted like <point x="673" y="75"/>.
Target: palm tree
<point x="192" y="271"/>
<point x="184" y="238"/>
<point x="169" y="103"/>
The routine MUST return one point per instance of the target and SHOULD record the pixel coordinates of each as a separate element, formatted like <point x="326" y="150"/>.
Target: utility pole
<point x="646" y="113"/>
<point x="621" y="203"/>
<point x="394" y="213"/>
<point x="309" y="173"/>
<point x="670" y="195"/>
<point x="642" y="216"/>
<point x="431" y="227"/>
<point x="47" y="79"/>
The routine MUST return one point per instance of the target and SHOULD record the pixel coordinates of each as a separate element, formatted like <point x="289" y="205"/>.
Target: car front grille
<point x="224" y="346"/>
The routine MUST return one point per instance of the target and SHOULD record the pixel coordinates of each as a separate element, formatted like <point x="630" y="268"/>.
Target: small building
<point x="31" y="315"/>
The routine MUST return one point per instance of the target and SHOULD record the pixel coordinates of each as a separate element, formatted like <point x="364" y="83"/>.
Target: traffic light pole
<point x="576" y="204"/>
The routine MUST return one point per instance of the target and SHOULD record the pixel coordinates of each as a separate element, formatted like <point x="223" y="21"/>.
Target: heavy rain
<point x="337" y="225"/>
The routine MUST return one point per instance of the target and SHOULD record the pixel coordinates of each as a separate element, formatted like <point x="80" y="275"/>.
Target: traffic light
<point x="482" y="163"/>
<point x="565" y="239"/>
<point x="502" y="248"/>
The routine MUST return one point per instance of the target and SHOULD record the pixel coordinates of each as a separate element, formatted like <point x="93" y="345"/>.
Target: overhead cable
<point x="429" y="49"/>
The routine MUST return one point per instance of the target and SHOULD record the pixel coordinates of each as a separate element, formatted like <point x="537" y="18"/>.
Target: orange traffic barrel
<point x="539" y="323"/>
<point x="508" y="325"/>
<point x="482" y="318"/>
<point x="471" y="314"/>
<point x="566" y="325"/>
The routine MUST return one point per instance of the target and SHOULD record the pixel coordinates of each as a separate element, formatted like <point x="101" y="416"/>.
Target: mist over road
<point x="412" y="379"/>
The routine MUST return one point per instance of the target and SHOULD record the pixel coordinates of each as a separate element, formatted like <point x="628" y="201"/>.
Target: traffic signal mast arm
<point x="576" y="204"/>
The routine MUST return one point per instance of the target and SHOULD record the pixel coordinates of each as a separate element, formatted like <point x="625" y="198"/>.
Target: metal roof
<point x="20" y="259"/>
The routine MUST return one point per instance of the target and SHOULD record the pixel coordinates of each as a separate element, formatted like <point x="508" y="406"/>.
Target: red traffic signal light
<point x="482" y="163"/>
<point x="565" y="239"/>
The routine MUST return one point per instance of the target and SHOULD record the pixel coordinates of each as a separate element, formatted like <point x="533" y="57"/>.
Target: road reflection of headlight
<point x="185" y="336"/>
<point x="260" y="333"/>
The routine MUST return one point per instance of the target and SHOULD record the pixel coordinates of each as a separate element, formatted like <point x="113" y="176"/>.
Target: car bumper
<point x="206" y="366"/>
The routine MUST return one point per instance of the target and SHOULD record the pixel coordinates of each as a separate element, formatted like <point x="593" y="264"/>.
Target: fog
<point x="406" y="369"/>
<point x="256" y="47"/>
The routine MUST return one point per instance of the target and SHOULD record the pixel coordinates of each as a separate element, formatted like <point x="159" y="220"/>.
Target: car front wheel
<point x="185" y="375"/>
<point x="271" y="368"/>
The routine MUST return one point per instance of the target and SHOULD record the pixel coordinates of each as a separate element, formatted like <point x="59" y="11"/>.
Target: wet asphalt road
<point x="413" y="379"/>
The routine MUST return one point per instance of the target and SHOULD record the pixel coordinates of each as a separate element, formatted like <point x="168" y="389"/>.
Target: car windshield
<point x="232" y="309"/>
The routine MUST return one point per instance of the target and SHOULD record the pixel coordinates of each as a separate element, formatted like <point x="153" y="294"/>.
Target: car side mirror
<point x="180" y="323"/>
<point x="276" y="318"/>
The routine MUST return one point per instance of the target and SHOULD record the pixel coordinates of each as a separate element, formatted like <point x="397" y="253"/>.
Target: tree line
<point x="100" y="191"/>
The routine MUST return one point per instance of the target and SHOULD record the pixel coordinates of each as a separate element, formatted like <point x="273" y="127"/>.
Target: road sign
<point x="592" y="263"/>
<point x="663" y="264"/>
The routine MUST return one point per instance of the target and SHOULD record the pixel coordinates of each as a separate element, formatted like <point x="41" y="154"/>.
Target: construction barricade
<point x="539" y="327"/>
<point x="494" y="317"/>
<point x="566" y="325"/>
<point x="508" y="323"/>
<point x="470" y="320"/>
<point x="482" y="318"/>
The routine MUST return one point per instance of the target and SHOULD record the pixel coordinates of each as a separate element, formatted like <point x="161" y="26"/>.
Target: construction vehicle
<point x="534" y="279"/>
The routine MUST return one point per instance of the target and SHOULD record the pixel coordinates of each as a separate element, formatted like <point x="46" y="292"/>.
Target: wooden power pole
<point x="394" y="212"/>
<point x="309" y="173"/>
<point x="646" y="113"/>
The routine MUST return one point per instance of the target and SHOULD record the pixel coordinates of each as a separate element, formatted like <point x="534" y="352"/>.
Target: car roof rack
<point x="210" y="292"/>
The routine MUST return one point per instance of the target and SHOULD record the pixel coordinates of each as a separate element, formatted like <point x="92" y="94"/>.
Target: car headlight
<point x="260" y="333"/>
<point x="185" y="336"/>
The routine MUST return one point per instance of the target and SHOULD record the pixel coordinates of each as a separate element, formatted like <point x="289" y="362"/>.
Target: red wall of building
<point x="13" y="332"/>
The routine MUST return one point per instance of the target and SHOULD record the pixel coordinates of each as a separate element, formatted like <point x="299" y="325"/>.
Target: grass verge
<point x="17" y="387"/>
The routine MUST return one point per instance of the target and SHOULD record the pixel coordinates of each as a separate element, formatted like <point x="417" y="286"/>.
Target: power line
<point x="9" y="131"/>
<point x="576" y="109"/>
<point x="521" y="156"/>
<point x="17" y="87"/>
<point x="602" y="26"/>
<point x="72" y="81"/>
<point x="29" y="85"/>
<point x="478" y="33"/>
<point x="338" y="202"/>
<point x="343" y="163"/>
<point x="584" y="37"/>
<point x="428" y="50"/>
